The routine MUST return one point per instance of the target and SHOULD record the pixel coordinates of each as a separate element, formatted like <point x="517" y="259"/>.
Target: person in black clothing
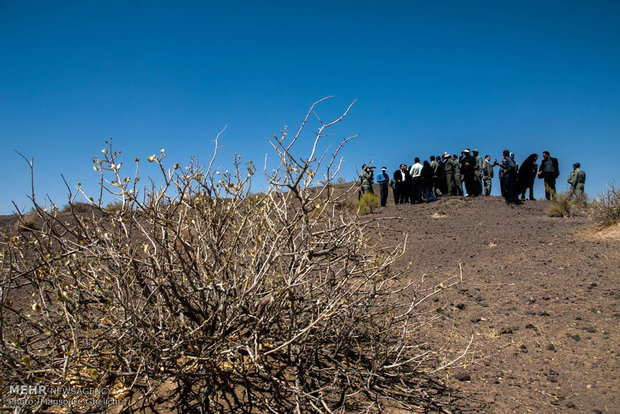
<point x="427" y="176"/>
<point x="527" y="175"/>
<point x="549" y="171"/>
<point x="402" y="185"/>
<point x="509" y="179"/>
<point x="468" y="165"/>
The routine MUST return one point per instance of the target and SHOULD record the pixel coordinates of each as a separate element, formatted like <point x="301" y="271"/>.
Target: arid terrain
<point x="539" y="297"/>
<point x="532" y="327"/>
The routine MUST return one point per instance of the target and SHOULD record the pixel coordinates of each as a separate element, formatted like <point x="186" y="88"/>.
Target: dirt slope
<point x="539" y="297"/>
<point x="538" y="301"/>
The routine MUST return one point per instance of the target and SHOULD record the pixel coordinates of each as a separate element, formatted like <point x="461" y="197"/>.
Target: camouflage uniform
<point x="577" y="180"/>
<point x="487" y="176"/>
<point x="366" y="178"/>
<point x="449" y="167"/>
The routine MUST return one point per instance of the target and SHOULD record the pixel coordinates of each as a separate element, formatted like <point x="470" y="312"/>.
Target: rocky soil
<point x="533" y="326"/>
<point x="538" y="301"/>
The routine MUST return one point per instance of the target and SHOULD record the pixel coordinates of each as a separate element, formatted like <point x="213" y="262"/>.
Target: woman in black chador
<point x="527" y="175"/>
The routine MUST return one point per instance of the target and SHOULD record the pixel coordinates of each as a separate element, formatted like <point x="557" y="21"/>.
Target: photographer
<point x="366" y="179"/>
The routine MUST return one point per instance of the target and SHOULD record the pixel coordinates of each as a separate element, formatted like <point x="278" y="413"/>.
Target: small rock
<point x="552" y="378"/>
<point x="530" y="313"/>
<point x="460" y="306"/>
<point x="523" y="349"/>
<point x="543" y="313"/>
<point x="475" y="320"/>
<point x="577" y="338"/>
<point x="550" y="347"/>
<point x="505" y="330"/>
<point x="462" y="377"/>
<point x="570" y="405"/>
<point x="530" y="326"/>
<point x="595" y="411"/>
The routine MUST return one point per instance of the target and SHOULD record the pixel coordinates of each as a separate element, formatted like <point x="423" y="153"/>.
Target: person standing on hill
<point x="441" y="180"/>
<point x="448" y="172"/>
<point x="383" y="179"/>
<point x="457" y="175"/>
<point x="402" y="179"/>
<point x="527" y="176"/>
<point x="509" y="178"/>
<point x="468" y="165"/>
<point x="549" y="171"/>
<point x="417" y="182"/>
<point x="366" y="179"/>
<point x="435" y="178"/>
<point x="477" y="173"/>
<point x="427" y="176"/>
<point x="487" y="174"/>
<point x="577" y="181"/>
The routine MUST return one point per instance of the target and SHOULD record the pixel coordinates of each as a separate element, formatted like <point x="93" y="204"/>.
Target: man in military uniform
<point x="477" y="173"/>
<point x="577" y="180"/>
<point x="487" y="173"/>
<point x="435" y="180"/>
<point x="366" y="178"/>
<point x="448" y="172"/>
<point x="457" y="175"/>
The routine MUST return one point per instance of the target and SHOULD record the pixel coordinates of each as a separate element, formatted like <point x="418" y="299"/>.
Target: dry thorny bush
<point x="272" y="302"/>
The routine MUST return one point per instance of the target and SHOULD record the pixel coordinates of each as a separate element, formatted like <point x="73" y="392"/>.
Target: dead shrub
<point x="605" y="209"/>
<point x="274" y="303"/>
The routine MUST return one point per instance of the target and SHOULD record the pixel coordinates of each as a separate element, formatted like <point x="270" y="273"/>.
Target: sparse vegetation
<point x="277" y="302"/>
<point x="114" y="207"/>
<point x="605" y="209"/>
<point x="78" y="207"/>
<point x="26" y="222"/>
<point x="566" y="205"/>
<point x="367" y="203"/>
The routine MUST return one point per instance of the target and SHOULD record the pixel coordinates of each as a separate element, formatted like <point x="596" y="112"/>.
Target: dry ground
<point x="539" y="297"/>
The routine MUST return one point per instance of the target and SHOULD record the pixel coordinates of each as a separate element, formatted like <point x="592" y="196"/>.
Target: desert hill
<point x="532" y="326"/>
<point x="539" y="297"/>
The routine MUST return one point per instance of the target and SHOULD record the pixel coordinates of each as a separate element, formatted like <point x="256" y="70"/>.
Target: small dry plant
<point x="567" y="205"/>
<point x="237" y="302"/>
<point x="367" y="203"/>
<point x="605" y="209"/>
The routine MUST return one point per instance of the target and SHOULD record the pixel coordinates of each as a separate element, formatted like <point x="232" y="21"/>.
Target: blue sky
<point x="429" y="77"/>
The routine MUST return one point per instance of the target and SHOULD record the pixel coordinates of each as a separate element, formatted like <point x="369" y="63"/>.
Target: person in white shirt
<point x="417" y="182"/>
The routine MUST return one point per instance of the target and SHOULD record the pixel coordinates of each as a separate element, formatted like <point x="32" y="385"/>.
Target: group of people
<point x="447" y="174"/>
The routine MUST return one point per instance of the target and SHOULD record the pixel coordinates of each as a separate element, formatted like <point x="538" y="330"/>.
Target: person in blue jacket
<point x="383" y="180"/>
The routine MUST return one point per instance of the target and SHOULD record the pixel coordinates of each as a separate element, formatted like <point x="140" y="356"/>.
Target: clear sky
<point x="429" y="77"/>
